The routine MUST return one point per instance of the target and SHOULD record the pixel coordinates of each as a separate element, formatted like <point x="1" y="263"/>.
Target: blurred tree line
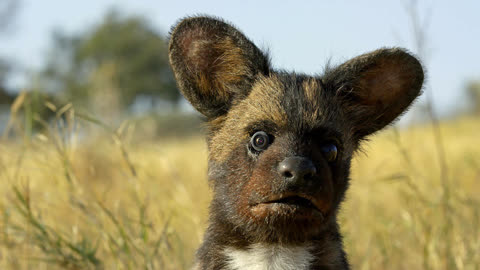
<point x="105" y="69"/>
<point x="8" y="10"/>
<point x="116" y="61"/>
<point x="473" y="96"/>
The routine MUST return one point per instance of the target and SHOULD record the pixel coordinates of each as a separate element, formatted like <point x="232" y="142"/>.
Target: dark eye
<point x="330" y="151"/>
<point x="260" y="141"/>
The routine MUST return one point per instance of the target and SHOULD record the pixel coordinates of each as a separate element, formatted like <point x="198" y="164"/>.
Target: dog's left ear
<point x="375" y="88"/>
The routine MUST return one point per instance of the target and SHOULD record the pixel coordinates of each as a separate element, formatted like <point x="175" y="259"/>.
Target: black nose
<point x="297" y="169"/>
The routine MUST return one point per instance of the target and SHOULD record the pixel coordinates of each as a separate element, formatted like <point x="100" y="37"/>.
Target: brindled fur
<point x="230" y="81"/>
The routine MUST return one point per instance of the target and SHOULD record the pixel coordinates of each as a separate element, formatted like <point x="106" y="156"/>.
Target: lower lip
<point x="287" y="210"/>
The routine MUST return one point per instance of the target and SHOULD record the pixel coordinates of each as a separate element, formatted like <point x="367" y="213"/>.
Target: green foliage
<point x="5" y="98"/>
<point x="123" y="56"/>
<point x="473" y="92"/>
<point x="8" y="9"/>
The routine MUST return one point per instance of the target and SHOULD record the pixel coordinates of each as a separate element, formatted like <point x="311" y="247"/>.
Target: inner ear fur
<point x="375" y="88"/>
<point x="213" y="63"/>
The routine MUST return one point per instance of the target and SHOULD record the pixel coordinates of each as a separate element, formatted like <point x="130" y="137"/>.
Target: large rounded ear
<point x="213" y="63"/>
<point x="375" y="88"/>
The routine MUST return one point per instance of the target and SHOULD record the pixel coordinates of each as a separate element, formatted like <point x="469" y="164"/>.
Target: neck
<point x="226" y="248"/>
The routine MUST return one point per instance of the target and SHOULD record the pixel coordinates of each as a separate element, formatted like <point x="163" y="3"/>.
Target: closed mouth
<point x="293" y="200"/>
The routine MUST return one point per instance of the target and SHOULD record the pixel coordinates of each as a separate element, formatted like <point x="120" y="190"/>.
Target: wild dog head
<point x="280" y="144"/>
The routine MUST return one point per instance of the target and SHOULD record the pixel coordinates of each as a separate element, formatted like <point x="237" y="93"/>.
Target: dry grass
<point x="78" y="201"/>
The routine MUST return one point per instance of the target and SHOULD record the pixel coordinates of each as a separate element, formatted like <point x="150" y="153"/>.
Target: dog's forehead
<point x="289" y="101"/>
<point x="292" y="103"/>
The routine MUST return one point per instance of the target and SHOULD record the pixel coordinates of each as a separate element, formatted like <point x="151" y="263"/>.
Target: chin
<point x="283" y="223"/>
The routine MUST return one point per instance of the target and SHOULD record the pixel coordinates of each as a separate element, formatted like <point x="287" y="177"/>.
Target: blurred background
<point x="103" y="163"/>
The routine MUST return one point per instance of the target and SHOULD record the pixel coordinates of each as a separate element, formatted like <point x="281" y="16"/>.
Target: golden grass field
<point x="106" y="199"/>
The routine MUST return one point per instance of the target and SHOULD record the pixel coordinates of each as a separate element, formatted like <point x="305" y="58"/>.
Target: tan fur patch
<point x="231" y="64"/>
<point x="311" y="111"/>
<point x="311" y="88"/>
<point x="262" y="104"/>
<point x="227" y="68"/>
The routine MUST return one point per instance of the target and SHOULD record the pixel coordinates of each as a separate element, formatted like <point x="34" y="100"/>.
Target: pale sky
<point x="300" y="35"/>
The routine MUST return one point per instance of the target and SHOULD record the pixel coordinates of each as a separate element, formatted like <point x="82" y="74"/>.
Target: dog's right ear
<point x="214" y="63"/>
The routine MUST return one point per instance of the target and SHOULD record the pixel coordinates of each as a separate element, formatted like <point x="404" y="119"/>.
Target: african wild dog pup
<point x="280" y="144"/>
